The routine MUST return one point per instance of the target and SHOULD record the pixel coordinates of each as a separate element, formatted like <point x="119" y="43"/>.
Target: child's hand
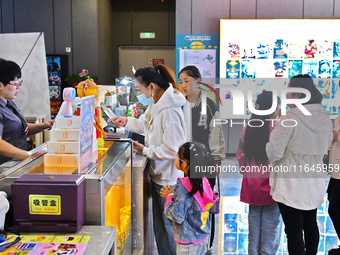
<point x="165" y="191"/>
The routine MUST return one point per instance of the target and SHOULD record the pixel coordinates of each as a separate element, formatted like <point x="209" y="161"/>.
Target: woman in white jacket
<point x="164" y="129"/>
<point x="298" y="179"/>
<point x="333" y="189"/>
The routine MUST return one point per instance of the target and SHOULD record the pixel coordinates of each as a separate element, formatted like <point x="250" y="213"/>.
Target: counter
<point x="108" y="186"/>
<point x="102" y="241"/>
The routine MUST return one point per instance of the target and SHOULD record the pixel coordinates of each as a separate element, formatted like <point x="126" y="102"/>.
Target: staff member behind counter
<point x="13" y="126"/>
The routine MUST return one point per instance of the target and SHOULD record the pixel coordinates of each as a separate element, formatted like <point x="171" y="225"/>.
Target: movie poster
<point x="294" y="68"/>
<point x="325" y="49"/>
<point x="248" y="69"/>
<point x="311" y="49"/>
<point x="325" y="87"/>
<point x="248" y="51"/>
<point x="295" y="51"/>
<point x="336" y="69"/>
<point x="233" y="69"/>
<point x="264" y="50"/>
<point x="310" y="67"/>
<point x="280" y="69"/>
<point x="234" y="50"/>
<point x="324" y="69"/>
<point x="336" y="49"/>
<point x="280" y="49"/>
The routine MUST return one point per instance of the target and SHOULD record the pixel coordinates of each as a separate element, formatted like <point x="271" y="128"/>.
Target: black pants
<point x="334" y="203"/>
<point x="334" y="213"/>
<point x="299" y="224"/>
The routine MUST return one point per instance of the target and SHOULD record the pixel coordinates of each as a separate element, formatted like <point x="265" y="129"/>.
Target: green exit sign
<point x="147" y="35"/>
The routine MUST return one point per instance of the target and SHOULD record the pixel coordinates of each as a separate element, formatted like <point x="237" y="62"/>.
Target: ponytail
<point x="160" y="75"/>
<point x="169" y="75"/>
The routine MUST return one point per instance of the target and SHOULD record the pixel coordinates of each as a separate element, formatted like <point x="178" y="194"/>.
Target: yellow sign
<point x="197" y="46"/>
<point x="45" y="204"/>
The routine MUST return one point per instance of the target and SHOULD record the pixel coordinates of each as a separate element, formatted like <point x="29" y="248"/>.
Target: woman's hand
<point x="137" y="146"/>
<point x="119" y="121"/>
<point x="165" y="191"/>
<point x="335" y="134"/>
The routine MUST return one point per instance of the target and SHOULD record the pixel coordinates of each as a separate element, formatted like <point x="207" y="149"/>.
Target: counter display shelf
<point x="108" y="187"/>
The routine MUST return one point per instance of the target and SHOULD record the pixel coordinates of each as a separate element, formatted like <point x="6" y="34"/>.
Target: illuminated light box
<point x="262" y="54"/>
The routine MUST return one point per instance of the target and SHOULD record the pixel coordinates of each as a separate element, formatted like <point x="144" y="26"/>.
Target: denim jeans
<point x="299" y="225"/>
<point x="264" y="229"/>
<point x="161" y="225"/>
<point x="192" y="249"/>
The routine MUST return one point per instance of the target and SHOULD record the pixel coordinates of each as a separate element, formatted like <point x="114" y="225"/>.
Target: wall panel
<point x="206" y="15"/>
<point x="183" y="17"/>
<point x="336" y="9"/>
<point x="35" y="16"/>
<point x="278" y="9"/>
<point x="7" y="16"/>
<point x="243" y="9"/>
<point x="85" y="36"/>
<point x="63" y="30"/>
<point x="314" y="9"/>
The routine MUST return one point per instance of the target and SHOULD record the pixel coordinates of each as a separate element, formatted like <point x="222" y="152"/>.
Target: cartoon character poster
<point x="310" y="67"/>
<point x="248" y="69"/>
<point x="280" y="69"/>
<point x="280" y="49"/>
<point x="294" y="67"/>
<point x="264" y="51"/>
<point x="86" y="130"/>
<point x="234" y="50"/>
<point x="62" y="248"/>
<point x="336" y="49"/>
<point x="324" y="69"/>
<point x="54" y="78"/>
<point x="233" y="69"/>
<point x="311" y="49"/>
<point x="336" y="69"/>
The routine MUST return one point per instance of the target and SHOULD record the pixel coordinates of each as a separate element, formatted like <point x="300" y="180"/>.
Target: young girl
<point x="188" y="205"/>
<point x="264" y="215"/>
<point x="201" y="128"/>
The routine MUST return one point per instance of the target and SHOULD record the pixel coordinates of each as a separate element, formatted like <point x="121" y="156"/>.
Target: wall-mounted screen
<point x="267" y="50"/>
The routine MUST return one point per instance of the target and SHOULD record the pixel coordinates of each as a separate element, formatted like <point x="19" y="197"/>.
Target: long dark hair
<point x="160" y="75"/>
<point x="9" y="70"/>
<point x="306" y="82"/>
<point x="197" y="156"/>
<point x="257" y="137"/>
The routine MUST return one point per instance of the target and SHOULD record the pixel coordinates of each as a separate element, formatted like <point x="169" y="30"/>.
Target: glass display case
<point x="108" y="186"/>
